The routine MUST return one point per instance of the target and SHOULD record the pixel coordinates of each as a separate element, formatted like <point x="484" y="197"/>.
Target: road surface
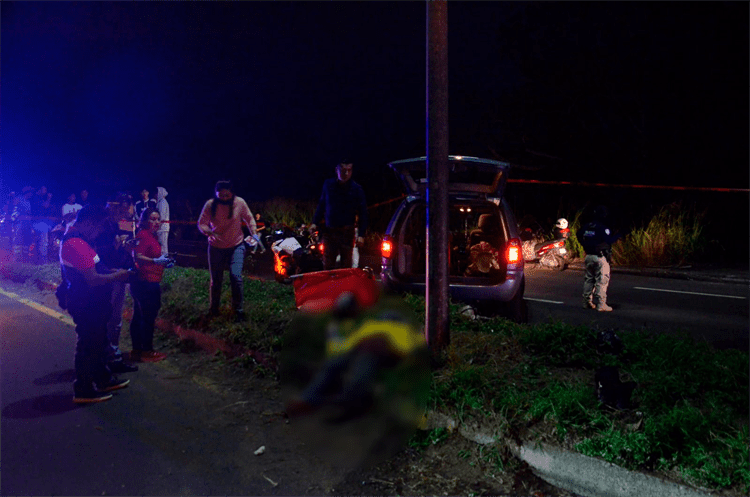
<point x="714" y="311"/>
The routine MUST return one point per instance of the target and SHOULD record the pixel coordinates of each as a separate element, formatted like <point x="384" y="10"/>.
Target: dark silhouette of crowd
<point x="34" y="220"/>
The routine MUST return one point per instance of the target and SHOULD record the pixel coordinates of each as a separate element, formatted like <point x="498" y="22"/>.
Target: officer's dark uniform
<point x="596" y="239"/>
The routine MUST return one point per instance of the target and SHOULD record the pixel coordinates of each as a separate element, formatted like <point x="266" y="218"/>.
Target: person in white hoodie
<point x="163" y="207"/>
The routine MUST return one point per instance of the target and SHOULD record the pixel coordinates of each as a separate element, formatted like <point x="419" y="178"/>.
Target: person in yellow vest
<point x="360" y="345"/>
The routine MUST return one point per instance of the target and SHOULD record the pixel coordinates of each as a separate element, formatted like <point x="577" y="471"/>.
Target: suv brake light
<point x="386" y="247"/>
<point x="513" y="251"/>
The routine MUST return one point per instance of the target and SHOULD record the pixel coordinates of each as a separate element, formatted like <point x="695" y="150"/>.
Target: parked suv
<point x="485" y="258"/>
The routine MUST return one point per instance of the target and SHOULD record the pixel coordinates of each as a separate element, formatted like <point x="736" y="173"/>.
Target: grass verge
<point x="689" y="418"/>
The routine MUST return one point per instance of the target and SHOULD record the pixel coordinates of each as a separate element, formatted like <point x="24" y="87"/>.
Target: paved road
<point x="710" y="310"/>
<point x="163" y="435"/>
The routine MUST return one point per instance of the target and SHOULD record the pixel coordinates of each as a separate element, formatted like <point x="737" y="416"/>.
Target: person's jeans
<point x="146" y="305"/>
<point x="114" y="325"/>
<point x="596" y="279"/>
<point x="338" y="241"/>
<point x="90" y="357"/>
<point x="42" y="250"/>
<point x="163" y="237"/>
<point x="218" y="260"/>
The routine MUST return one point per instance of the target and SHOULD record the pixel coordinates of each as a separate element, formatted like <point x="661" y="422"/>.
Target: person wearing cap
<point x="221" y="220"/>
<point x="597" y="239"/>
<point x="341" y="201"/>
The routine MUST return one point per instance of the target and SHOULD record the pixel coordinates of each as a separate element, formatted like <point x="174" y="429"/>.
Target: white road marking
<point x="691" y="293"/>
<point x="546" y="301"/>
<point x="39" y="307"/>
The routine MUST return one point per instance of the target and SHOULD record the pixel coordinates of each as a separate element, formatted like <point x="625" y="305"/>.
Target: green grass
<point x="693" y="399"/>
<point x="537" y="379"/>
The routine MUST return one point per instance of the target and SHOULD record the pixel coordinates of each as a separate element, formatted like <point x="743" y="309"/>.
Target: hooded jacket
<point x="163" y="207"/>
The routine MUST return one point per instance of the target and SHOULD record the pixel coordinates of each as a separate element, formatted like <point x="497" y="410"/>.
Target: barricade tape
<point x="654" y="187"/>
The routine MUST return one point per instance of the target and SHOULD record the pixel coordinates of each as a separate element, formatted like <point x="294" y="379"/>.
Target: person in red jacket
<point x="146" y="289"/>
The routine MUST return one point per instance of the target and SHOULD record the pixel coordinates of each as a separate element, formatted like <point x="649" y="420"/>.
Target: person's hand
<point x="213" y="236"/>
<point x="162" y="260"/>
<point x="121" y="275"/>
<point x="360" y="242"/>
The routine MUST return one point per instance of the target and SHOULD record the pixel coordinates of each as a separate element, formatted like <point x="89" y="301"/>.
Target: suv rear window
<point x="476" y="236"/>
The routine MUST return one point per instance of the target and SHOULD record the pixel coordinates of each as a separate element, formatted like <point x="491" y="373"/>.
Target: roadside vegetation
<point x="689" y="414"/>
<point x="675" y="236"/>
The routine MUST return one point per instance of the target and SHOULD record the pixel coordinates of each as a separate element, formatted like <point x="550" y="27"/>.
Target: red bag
<point x="318" y="291"/>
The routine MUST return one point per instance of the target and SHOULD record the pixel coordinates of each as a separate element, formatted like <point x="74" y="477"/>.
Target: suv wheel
<point x="516" y="309"/>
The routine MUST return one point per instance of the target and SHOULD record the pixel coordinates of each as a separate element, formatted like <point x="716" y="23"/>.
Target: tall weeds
<point x="673" y="237"/>
<point x="286" y="211"/>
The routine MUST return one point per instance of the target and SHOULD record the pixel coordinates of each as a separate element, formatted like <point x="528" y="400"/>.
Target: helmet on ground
<point x="561" y="223"/>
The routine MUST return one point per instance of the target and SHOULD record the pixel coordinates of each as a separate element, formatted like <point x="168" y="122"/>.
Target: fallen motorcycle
<point x="295" y="253"/>
<point x="548" y="253"/>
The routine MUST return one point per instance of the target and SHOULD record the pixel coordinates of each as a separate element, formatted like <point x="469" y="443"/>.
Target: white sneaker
<point x="604" y="308"/>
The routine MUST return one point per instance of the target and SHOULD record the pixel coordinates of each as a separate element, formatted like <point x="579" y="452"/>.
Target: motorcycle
<point x="548" y="253"/>
<point x="295" y="253"/>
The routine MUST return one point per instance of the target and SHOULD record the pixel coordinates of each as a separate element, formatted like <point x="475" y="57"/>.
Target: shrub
<point x="673" y="237"/>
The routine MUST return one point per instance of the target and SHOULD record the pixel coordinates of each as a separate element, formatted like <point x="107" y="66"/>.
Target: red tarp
<point x="318" y="291"/>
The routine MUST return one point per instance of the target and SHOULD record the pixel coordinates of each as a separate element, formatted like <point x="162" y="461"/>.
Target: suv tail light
<point x="513" y="251"/>
<point x="386" y="247"/>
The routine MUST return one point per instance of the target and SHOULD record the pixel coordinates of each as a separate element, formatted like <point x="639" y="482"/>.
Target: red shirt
<point x="147" y="245"/>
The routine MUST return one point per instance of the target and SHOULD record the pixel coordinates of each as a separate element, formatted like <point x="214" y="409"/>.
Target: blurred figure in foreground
<point x="357" y="377"/>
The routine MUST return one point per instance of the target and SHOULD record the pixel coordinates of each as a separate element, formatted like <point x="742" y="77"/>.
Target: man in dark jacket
<point x="343" y="206"/>
<point x="597" y="239"/>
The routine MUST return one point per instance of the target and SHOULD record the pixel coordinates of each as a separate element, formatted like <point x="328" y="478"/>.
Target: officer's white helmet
<point x="561" y="223"/>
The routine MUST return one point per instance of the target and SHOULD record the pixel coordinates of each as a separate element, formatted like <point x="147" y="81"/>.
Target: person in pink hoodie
<point x="221" y="221"/>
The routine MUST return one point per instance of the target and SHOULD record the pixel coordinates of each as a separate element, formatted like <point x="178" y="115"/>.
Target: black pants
<point x="91" y="346"/>
<point x="146" y="305"/>
<point x="338" y="241"/>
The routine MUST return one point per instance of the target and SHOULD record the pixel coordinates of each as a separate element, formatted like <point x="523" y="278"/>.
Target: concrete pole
<point x="436" y="314"/>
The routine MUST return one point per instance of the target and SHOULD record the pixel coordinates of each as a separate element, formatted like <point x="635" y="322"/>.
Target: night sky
<point x="126" y="95"/>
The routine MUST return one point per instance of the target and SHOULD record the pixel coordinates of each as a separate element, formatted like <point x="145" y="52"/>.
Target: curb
<point x="571" y="471"/>
<point x="208" y="343"/>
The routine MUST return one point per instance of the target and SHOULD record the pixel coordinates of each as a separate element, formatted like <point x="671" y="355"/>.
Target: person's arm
<point x="95" y="279"/>
<point x="250" y="221"/>
<point x="321" y="209"/>
<point x="362" y="211"/>
<point x="204" y="221"/>
<point x="163" y="208"/>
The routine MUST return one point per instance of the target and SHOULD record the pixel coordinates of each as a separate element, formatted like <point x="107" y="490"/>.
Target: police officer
<point x="597" y="239"/>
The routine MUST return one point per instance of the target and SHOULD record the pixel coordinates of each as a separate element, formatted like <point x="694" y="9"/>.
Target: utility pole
<point x="436" y="292"/>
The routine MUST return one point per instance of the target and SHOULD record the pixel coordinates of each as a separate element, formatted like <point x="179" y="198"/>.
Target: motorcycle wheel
<point x="562" y="263"/>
